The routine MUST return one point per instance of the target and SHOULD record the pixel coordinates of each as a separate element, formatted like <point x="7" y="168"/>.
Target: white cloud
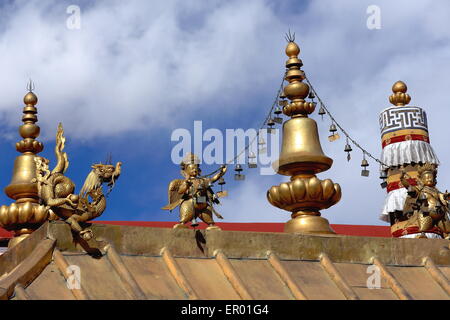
<point x="135" y="65"/>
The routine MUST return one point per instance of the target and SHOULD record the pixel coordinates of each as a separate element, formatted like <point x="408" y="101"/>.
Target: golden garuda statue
<point x="194" y="194"/>
<point x="426" y="208"/>
<point x="56" y="191"/>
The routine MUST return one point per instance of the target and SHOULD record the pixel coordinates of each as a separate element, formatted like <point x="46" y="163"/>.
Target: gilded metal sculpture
<point x="26" y="214"/>
<point x="194" y="195"/>
<point x="425" y="206"/>
<point x="301" y="158"/>
<point x="42" y="195"/>
<point x="56" y="191"/>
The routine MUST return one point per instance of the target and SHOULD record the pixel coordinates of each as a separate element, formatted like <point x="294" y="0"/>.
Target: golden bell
<point x="322" y="111"/>
<point x="348" y="148"/>
<point x="277" y="111"/>
<point x="301" y="150"/>
<point x="23" y="173"/>
<point x="252" y="161"/>
<point x="364" y="163"/>
<point x="333" y="128"/>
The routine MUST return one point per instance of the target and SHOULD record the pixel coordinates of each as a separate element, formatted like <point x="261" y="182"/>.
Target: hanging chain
<point x="365" y="152"/>
<point x="269" y="114"/>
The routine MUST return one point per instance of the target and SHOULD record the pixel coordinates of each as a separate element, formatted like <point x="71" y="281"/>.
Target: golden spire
<point x="24" y="166"/>
<point x="25" y="215"/>
<point x="296" y="90"/>
<point x="301" y="158"/>
<point x="399" y="96"/>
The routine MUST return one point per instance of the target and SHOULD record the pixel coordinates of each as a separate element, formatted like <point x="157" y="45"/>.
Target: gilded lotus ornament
<point x="25" y="213"/>
<point x="308" y="193"/>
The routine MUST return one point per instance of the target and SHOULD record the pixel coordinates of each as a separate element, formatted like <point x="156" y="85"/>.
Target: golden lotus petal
<point x="4" y="216"/>
<point x="13" y="213"/>
<point x="314" y="188"/>
<point x="272" y="195"/>
<point x="337" y="195"/>
<point x="25" y="212"/>
<point x="299" y="189"/>
<point x="285" y="193"/>
<point x="327" y="189"/>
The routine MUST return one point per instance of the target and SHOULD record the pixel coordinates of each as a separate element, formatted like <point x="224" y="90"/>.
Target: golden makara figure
<point x="194" y="195"/>
<point x="301" y="158"/>
<point x="56" y="191"/>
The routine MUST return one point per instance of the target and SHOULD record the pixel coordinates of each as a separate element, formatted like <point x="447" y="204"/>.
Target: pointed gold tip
<point x="30" y="99"/>
<point x="292" y="49"/>
<point x="296" y="90"/>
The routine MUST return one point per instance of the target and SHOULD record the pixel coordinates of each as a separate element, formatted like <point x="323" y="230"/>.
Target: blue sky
<point x="137" y="70"/>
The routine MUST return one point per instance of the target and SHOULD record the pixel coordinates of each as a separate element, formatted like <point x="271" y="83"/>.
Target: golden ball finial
<point x="399" y="96"/>
<point x="30" y="98"/>
<point x="292" y="49"/>
<point x="399" y="86"/>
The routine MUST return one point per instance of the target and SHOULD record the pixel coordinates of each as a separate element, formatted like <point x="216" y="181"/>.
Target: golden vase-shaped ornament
<point x="302" y="158"/>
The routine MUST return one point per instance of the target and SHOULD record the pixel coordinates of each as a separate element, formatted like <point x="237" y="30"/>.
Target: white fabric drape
<point x="394" y="201"/>
<point x="406" y="152"/>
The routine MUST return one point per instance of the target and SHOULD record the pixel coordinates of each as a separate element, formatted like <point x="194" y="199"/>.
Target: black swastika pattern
<point x="396" y="118"/>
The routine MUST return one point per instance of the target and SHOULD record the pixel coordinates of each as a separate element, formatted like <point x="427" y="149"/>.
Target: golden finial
<point x="399" y="96"/>
<point x="301" y="158"/>
<point x="29" y="131"/>
<point x="26" y="214"/>
<point x="296" y="90"/>
<point x="292" y="49"/>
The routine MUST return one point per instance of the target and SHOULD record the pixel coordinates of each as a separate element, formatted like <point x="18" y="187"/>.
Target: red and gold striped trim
<point x="403" y="132"/>
<point x="407" y="137"/>
<point x="404" y="135"/>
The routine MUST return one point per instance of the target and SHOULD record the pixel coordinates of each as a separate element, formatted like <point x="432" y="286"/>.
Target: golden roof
<point x="156" y="263"/>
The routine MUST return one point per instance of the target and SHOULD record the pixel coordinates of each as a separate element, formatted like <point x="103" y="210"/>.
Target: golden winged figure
<point x="194" y="194"/>
<point x="425" y="204"/>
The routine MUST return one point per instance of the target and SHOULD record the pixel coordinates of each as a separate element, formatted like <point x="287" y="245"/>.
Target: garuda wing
<point x="175" y="198"/>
